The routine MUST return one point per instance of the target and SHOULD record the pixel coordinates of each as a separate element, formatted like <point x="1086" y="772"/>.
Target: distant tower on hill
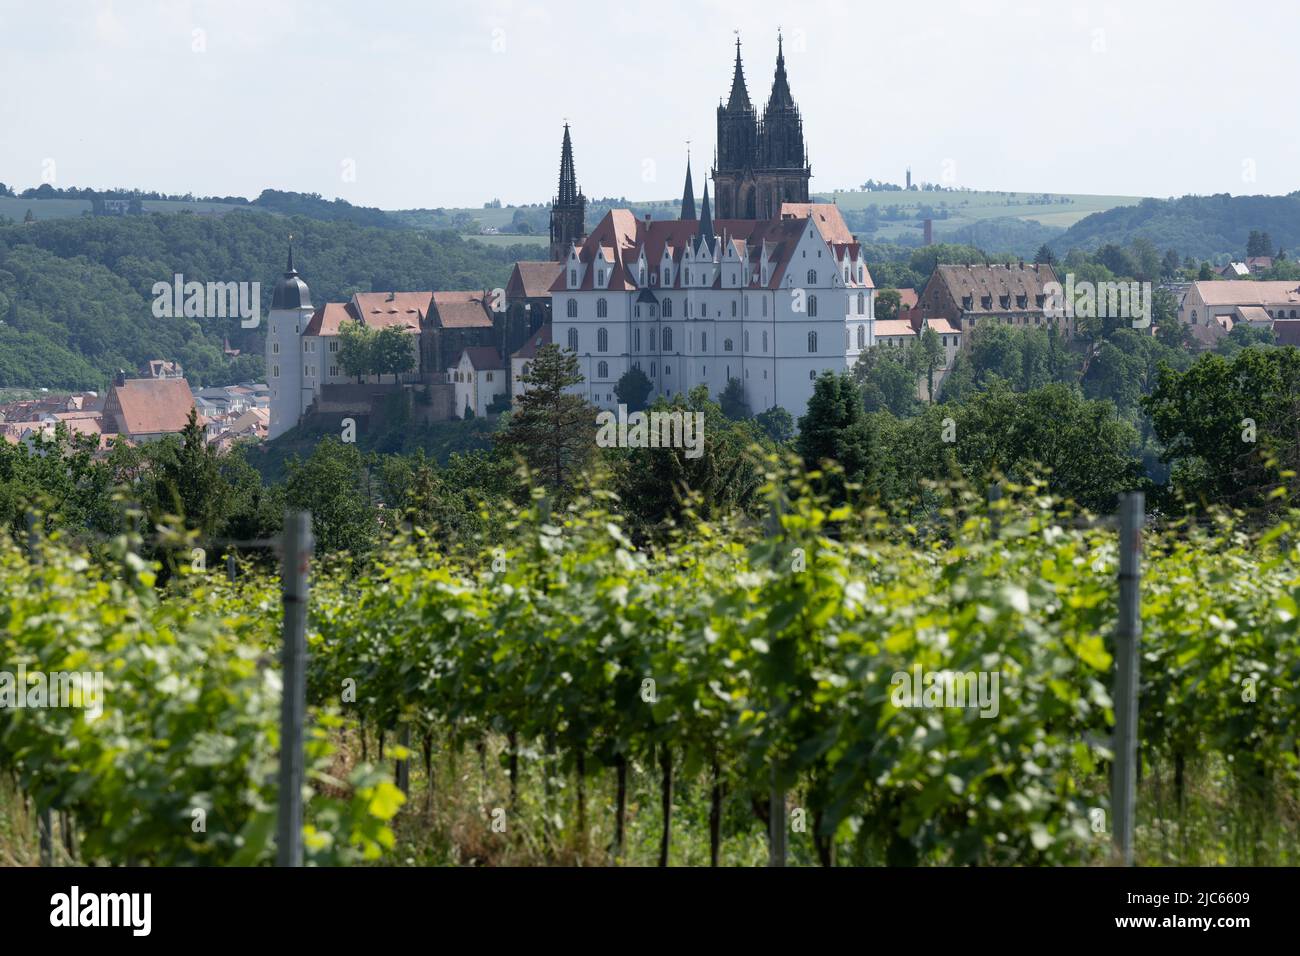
<point x="909" y="177"/>
<point x="569" y="209"/>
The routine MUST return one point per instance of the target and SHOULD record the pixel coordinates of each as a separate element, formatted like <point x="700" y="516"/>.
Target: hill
<point x="1205" y="227"/>
<point x="76" y="294"/>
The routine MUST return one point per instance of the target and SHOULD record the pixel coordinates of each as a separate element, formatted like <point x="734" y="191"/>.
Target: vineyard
<point x="563" y="696"/>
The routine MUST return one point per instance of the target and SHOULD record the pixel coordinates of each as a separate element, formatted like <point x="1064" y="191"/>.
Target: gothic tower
<point x="733" y="169"/>
<point x="782" y="171"/>
<point x="688" y="193"/>
<point x="569" y="208"/>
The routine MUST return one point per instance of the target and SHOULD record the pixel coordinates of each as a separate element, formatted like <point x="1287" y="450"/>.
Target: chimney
<point x="120" y="377"/>
<point x="391" y="296"/>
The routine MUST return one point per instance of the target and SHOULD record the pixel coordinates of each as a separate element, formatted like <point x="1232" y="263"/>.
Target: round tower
<point x="291" y="311"/>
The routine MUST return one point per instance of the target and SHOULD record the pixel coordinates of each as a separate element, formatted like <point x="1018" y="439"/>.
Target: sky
<point x="421" y="104"/>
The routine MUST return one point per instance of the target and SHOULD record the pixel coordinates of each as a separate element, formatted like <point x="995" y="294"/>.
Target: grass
<point x="449" y="817"/>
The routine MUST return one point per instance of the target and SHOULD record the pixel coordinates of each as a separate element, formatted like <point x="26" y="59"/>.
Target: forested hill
<point x="1199" y="226"/>
<point x="76" y="299"/>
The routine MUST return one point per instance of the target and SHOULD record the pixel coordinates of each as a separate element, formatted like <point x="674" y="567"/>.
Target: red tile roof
<point x="625" y="238"/>
<point x="532" y="280"/>
<point x="327" y="319"/>
<point x="382" y="309"/>
<point x="461" y="310"/>
<point x="148" y="406"/>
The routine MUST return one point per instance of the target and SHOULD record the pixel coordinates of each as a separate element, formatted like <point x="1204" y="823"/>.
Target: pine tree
<point x="552" y="429"/>
<point x="836" y="428"/>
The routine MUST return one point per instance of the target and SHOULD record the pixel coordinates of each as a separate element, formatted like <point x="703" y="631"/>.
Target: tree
<point x="1228" y="425"/>
<point x="1045" y="255"/>
<point x="1259" y="244"/>
<point x="333" y="485"/>
<point x="929" y="357"/>
<point x="835" y="428"/>
<point x="633" y="389"/>
<point x="732" y="400"/>
<point x="888" y="302"/>
<point x="358" y="352"/>
<point x="777" y="424"/>
<point x="552" y="429"/>
<point x="187" y="479"/>
<point x="392" y="352"/>
<point x="886" y="381"/>
<point x="1169" y="264"/>
<point x="30" y="217"/>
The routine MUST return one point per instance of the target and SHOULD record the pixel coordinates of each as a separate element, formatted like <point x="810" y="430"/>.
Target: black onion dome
<point x="291" y="292"/>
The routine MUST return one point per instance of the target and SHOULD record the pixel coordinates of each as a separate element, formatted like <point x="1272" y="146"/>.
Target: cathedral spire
<point x="568" y="193"/>
<point x="739" y="94"/>
<point x="688" y="194"/>
<point x="569" y="211"/>
<point x="780" y="98"/>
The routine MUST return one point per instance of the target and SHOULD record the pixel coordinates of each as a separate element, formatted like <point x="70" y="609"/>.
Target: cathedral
<point x="760" y="162"/>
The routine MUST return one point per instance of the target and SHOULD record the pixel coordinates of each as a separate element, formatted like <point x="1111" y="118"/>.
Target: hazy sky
<point x="447" y="104"/>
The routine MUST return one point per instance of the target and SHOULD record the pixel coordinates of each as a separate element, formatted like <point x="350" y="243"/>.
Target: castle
<point x="771" y="293"/>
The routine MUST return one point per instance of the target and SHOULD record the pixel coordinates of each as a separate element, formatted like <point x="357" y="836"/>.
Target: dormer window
<point x="600" y="277"/>
<point x="573" y="277"/>
<point x="967" y="302"/>
<point x="668" y="276"/>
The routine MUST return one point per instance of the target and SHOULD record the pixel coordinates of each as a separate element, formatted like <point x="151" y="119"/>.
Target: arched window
<point x="573" y="340"/>
<point x="726" y="345"/>
<point x="812" y="276"/>
<point x="704" y="341"/>
<point x="746" y="340"/>
<point x="862" y="303"/>
<point x="668" y="308"/>
<point x="602" y="340"/>
<point x="812" y="306"/>
<point x="812" y="341"/>
<point x="572" y="308"/>
<point x="602" y="370"/>
<point x="636" y="340"/>
<point x="1193" y="316"/>
<point x="652" y="339"/>
<point x="846" y="273"/>
<point x="812" y="375"/>
<point x="862" y="337"/>
<point x="602" y="308"/>
<point x="668" y="340"/>
<point x="764" y="337"/>
<point x="600" y="277"/>
<point x="765" y="307"/>
<point x="733" y="310"/>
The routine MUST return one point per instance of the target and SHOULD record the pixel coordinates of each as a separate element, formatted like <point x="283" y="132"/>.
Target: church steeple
<point x="780" y="98"/>
<point x="739" y="93"/>
<point x="705" y="231"/>
<point x="569" y="209"/>
<point x="688" y="194"/>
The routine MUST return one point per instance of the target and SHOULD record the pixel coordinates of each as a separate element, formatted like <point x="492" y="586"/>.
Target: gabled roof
<point x="1287" y="332"/>
<point x="628" y="237"/>
<point x="327" y="319"/>
<point x="1248" y="292"/>
<point x="379" y="310"/>
<point x="482" y="357"/>
<point x="539" y="338"/>
<point x="996" y="280"/>
<point x="149" y="406"/>
<point x="532" y="280"/>
<point x="461" y="310"/>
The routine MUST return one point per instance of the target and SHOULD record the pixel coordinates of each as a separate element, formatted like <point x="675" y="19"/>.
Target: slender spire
<point x="739" y="94"/>
<point x="780" y="97"/>
<point x="568" y="193"/>
<point x="688" y="194"/>
<point x="706" y="220"/>
<point x="290" y="270"/>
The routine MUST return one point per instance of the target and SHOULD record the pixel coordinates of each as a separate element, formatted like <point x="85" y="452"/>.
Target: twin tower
<point x="759" y="164"/>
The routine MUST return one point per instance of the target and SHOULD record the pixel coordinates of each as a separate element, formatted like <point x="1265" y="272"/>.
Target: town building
<point x="479" y="378"/>
<point x="1011" y="294"/>
<point x="1211" y="308"/>
<point x="146" y="409"/>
